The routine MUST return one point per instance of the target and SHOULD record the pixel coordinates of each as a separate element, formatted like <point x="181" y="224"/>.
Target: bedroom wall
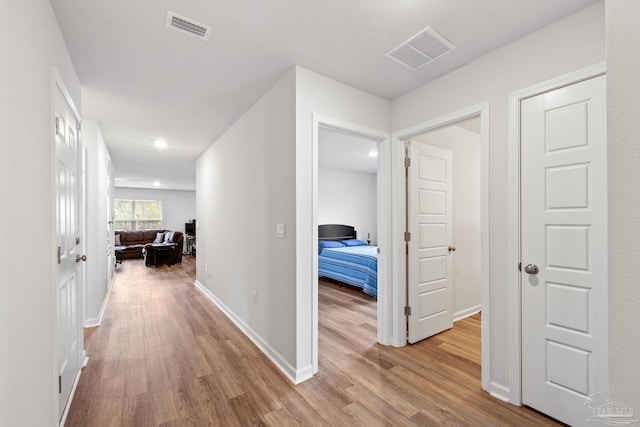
<point x="347" y="197"/>
<point x="245" y="185"/>
<point x="178" y="206"/>
<point x="28" y="385"/>
<point x="623" y="129"/>
<point x="567" y="45"/>
<point x="465" y="146"/>
<point x="96" y="248"/>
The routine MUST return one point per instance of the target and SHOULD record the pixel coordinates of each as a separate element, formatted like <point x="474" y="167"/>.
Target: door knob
<point x="451" y="248"/>
<point x="81" y="258"/>
<point x="531" y="269"/>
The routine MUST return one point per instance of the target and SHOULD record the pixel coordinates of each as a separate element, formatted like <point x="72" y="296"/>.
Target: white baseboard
<point x="466" y="312"/>
<point x="295" y="376"/>
<point x="96" y="321"/>
<point x="500" y="392"/>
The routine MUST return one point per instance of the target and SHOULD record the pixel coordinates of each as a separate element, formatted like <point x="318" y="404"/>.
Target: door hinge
<point x="58" y="130"/>
<point x="60" y="384"/>
<point x="519" y="266"/>
<point x="77" y="241"/>
<point x="407" y="236"/>
<point x="78" y="126"/>
<point x="378" y="250"/>
<point x="59" y="255"/>
<point x="407" y="310"/>
<point x="407" y="162"/>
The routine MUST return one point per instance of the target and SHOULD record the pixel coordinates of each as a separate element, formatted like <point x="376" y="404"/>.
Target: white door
<point x="67" y="219"/>
<point x="564" y="235"/>
<point x="430" y="259"/>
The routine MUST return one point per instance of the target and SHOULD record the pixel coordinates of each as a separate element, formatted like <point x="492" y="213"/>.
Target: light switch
<point x="280" y="231"/>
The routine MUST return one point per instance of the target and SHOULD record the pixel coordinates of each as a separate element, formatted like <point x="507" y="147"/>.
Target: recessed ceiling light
<point x="160" y="144"/>
<point x="373" y="153"/>
<point x="156" y="184"/>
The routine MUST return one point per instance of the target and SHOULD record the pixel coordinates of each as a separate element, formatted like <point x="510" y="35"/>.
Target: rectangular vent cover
<point x="190" y="26"/>
<point x="421" y="49"/>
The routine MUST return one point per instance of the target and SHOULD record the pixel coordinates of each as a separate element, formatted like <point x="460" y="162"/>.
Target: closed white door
<point x="564" y="249"/>
<point x="430" y="259"/>
<point x="67" y="219"/>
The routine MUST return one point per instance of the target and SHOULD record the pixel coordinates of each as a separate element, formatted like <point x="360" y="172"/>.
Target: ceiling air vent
<point x="421" y="49"/>
<point x="190" y="26"/>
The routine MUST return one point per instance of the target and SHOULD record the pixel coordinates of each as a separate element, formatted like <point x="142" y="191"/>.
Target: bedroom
<point x="347" y="194"/>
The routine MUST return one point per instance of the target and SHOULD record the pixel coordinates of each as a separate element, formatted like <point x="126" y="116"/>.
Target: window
<point x="138" y="214"/>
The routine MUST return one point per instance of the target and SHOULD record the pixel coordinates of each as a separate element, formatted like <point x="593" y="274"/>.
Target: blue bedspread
<point x="354" y="265"/>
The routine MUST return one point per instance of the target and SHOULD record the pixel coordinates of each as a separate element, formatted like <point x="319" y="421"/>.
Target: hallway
<point x="165" y="355"/>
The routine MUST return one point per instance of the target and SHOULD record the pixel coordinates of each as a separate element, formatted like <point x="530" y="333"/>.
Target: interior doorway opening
<point x="347" y="236"/>
<point x="480" y="121"/>
<point x="463" y="140"/>
<point x="354" y="168"/>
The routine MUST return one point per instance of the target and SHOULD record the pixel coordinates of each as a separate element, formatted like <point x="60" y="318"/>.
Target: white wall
<point x="258" y="174"/>
<point x="465" y="146"/>
<point x="562" y="47"/>
<point x="32" y="44"/>
<point x="99" y="260"/>
<point x="178" y="206"/>
<point x="623" y="86"/>
<point x="346" y="197"/>
<point x="245" y="185"/>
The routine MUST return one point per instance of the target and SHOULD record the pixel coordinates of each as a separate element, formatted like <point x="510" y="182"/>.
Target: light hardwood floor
<point x="165" y="356"/>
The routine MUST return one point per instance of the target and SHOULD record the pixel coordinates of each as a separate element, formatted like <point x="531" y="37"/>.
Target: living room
<point x="138" y="209"/>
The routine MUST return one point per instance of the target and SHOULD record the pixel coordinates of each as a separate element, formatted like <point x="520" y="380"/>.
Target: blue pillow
<point x="329" y="244"/>
<point x="353" y="242"/>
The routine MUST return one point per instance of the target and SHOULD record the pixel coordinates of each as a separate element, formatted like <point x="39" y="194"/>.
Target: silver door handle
<point x="531" y="269"/>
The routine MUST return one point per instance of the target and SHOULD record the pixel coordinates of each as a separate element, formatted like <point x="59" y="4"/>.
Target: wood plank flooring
<point x="165" y="356"/>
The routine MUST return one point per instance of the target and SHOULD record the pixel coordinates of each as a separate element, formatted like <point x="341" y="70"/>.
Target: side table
<point x="119" y="253"/>
<point x="161" y="254"/>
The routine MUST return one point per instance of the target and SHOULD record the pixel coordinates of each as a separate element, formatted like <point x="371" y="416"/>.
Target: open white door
<point x="67" y="147"/>
<point x="564" y="250"/>
<point x="430" y="256"/>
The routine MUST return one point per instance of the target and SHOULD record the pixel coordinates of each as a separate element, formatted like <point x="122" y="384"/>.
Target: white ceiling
<point x="339" y="150"/>
<point x="143" y="81"/>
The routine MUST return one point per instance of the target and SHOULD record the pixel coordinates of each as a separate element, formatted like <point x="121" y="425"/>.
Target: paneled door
<point x="430" y="256"/>
<point x="67" y="146"/>
<point x="564" y="249"/>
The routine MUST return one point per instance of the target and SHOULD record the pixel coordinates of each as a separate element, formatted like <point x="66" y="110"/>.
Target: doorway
<point x="558" y="156"/>
<point x="444" y="249"/>
<point x="69" y="209"/>
<point x="347" y="196"/>
<point x="399" y="201"/>
<point x="381" y="232"/>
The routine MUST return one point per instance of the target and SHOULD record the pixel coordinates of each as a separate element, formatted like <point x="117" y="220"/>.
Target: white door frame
<point x="399" y="206"/>
<point x="513" y="221"/>
<point x="58" y="83"/>
<point x="385" y="301"/>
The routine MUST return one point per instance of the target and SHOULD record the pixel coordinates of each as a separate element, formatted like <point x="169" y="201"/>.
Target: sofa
<point x="133" y="244"/>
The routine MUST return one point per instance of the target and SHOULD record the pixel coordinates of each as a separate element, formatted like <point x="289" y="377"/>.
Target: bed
<point x="343" y="258"/>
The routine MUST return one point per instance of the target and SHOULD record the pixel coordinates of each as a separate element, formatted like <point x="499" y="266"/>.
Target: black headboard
<point x="336" y="232"/>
